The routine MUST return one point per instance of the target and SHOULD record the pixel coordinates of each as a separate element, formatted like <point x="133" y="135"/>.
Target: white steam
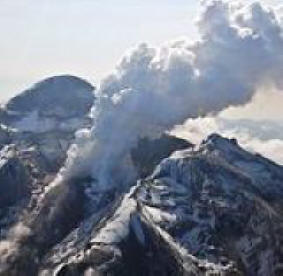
<point x="240" y="49"/>
<point x="264" y="137"/>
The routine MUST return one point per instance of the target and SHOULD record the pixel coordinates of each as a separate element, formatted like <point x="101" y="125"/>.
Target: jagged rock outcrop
<point x="40" y="137"/>
<point x="150" y="152"/>
<point x="42" y="120"/>
<point x="86" y="207"/>
<point x="4" y="136"/>
<point x="222" y="204"/>
<point x="213" y="210"/>
<point x="126" y="242"/>
<point x="14" y="178"/>
<point x="36" y="129"/>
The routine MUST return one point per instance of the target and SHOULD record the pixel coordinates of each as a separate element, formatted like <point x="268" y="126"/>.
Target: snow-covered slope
<point x="57" y="103"/>
<point x="36" y="129"/>
<point x="43" y="120"/>
<point x="222" y="204"/>
<point x="214" y="210"/>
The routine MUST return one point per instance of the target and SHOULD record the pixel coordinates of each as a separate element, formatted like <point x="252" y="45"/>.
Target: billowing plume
<point x="9" y="246"/>
<point x="263" y="137"/>
<point x="239" y="50"/>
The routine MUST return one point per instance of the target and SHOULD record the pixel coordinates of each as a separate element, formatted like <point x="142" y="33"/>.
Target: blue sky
<point x="41" y="38"/>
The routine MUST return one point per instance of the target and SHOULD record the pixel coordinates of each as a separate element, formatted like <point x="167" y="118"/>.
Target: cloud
<point x="238" y="52"/>
<point x="264" y="137"/>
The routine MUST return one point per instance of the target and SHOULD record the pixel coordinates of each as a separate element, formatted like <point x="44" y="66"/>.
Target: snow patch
<point x="119" y="225"/>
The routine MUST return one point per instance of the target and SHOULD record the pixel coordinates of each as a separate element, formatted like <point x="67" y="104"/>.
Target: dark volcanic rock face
<point x="14" y="178"/>
<point x="215" y="209"/>
<point x="149" y="153"/>
<point x="40" y="136"/>
<point x="79" y="203"/>
<point x="222" y="204"/>
<point x="41" y="122"/>
<point x="36" y="129"/>
<point x="60" y="96"/>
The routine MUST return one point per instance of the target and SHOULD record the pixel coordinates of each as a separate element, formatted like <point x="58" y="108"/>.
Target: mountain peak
<point x="62" y="96"/>
<point x="216" y="140"/>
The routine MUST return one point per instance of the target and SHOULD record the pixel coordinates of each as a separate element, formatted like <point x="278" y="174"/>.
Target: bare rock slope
<point x="216" y="210"/>
<point x="212" y="209"/>
<point x="36" y="129"/>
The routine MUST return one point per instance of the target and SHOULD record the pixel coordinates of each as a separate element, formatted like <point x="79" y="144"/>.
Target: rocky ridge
<point x="215" y="210"/>
<point x="211" y="209"/>
<point x="36" y="129"/>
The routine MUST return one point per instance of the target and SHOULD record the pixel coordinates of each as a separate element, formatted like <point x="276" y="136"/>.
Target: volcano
<point x="208" y="209"/>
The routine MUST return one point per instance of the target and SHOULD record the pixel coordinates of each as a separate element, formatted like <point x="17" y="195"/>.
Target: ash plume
<point x="9" y="247"/>
<point x="239" y="50"/>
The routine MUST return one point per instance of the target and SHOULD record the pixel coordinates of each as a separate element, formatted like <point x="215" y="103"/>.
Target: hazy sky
<point x="41" y="38"/>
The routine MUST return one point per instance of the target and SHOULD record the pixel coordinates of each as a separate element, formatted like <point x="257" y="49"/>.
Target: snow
<point x="119" y="225"/>
<point x="6" y="153"/>
<point x="188" y="260"/>
<point x="160" y="216"/>
<point x="33" y="122"/>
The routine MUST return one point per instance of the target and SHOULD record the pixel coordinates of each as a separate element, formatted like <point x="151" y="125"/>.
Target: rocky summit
<point x="36" y="129"/>
<point x="208" y="209"/>
<point x="212" y="210"/>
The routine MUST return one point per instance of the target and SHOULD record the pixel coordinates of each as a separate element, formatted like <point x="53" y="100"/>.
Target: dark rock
<point x="212" y="210"/>
<point x="60" y="96"/>
<point x="14" y="179"/>
<point x="37" y="128"/>
<point x="220" y="202"/>
<point x="4" y="136"/>
<point x="149" y="152"/>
